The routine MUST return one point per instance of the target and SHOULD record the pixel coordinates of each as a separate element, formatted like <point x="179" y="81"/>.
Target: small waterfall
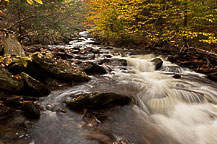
<point x="168" y="110"/>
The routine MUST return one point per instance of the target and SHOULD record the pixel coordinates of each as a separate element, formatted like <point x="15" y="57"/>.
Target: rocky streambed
<point x="87" y="93"/>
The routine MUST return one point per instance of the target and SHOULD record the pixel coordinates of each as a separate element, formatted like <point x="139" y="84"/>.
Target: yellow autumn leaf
<point x="39" y="1"/>
<point x="29" y="2"/>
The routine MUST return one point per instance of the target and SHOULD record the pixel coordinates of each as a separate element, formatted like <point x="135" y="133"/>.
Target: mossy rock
<point x="8" y="82"/>
<point x="13" y="47"/>
<point x="61" y="69"/>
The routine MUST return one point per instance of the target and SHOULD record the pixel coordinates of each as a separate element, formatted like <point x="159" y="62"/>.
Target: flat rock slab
<point x="97" y="101"/>
<point x="61" y="69"/>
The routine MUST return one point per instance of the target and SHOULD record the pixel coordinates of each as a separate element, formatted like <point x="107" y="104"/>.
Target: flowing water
<point x="167" y="110"/>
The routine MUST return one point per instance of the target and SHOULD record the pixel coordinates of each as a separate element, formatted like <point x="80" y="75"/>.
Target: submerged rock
<point x="97" y="101"/>
<point x="177" y="76"/>
<point x="36" y="87"/>
<point x="92" y="68"/>
<point x="31" y="110"/>
<point x="9" y="82"/>
<point x="61" y="69"/>
<point x="158" y="63"/>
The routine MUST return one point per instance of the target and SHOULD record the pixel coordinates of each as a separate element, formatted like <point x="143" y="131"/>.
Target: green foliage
<point x="52" y="21"/>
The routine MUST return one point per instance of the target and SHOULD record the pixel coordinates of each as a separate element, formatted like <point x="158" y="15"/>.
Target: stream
<point x="167" y="110"/>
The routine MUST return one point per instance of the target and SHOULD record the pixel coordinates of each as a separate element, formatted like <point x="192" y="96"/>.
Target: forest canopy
<point x="173" y="22"/>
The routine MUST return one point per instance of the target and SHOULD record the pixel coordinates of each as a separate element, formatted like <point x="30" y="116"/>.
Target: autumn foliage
<point x="174" y="22"/>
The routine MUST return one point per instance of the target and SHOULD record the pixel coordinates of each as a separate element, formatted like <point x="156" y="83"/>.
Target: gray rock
<point x="60" y="69"/>
<point x="97" y="101"/>
<point x="158" y="63"/>
<point x="35" y="86"/>
<point x="8" y="82"/>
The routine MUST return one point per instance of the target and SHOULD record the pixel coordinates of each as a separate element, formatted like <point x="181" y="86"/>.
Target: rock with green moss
<point x="35" y="86"/>
<point x="8" y="82"/>
<point x="60" y="69"/>
<point x="13" y="47"/>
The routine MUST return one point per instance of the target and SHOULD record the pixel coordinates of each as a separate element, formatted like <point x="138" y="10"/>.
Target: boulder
<point x="97" y="101"/>
<point x="31" y="110"/>
<point x="92" y="68"/>
<point x="60" y="69"/>
<point x="8" y="82"/>
<point x="212" y="76"/>
<point x="158" y="62"/>
<point x="13" y="47"/>
<point x="35" y="86"/>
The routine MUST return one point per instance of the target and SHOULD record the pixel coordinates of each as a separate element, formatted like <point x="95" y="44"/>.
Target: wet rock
<point x="35" y="86"/>
<point x="31" y="110"/>
<point x="61" y="69"/>
<point x="97" y="101"/>
<point x="158" y="62"/>
<point x="9" y="82"/>
<point x="177" y="76"/>
<point x="15" y="68"/>
<point x="92" y="68"/>
<point x="212" y="76"/>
